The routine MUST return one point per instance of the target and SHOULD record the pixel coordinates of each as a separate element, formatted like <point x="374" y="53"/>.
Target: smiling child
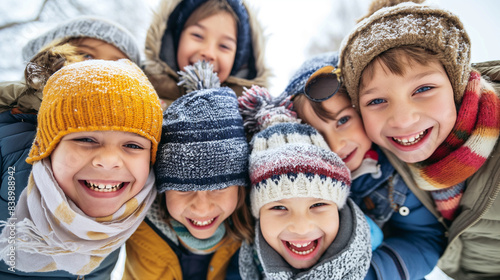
<point x="98" y="130"/>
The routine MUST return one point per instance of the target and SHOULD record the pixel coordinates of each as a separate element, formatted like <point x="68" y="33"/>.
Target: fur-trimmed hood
<point x="163" y="74"/>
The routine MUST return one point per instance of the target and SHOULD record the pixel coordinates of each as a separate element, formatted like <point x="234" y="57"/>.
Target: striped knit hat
<point x="289" y="160"/>
<point x="203" y="146"/>
<point x="407" y="24"/>
<point x="97" y="95"/>
<point x="91" y="27"/>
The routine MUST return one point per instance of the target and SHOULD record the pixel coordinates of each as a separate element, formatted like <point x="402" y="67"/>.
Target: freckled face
<point x="212" y="39"/>
<point x="410" y="115"/>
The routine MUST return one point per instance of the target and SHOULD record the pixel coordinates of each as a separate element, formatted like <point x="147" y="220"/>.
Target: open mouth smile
<point x="301" y="248"/>
<point x="202" y="224"/>
<point x="98" y="187"/>
<point x="412" y="140"/>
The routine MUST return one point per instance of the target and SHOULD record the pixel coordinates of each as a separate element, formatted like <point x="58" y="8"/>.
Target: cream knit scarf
<point x="49" y="232"/>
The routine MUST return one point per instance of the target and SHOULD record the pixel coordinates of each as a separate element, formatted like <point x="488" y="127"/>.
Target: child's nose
<point x="300" y="224"/>
<point x="201" y="202"/>
<point x="108" y="159"/>
<point x="208" y="52"/>
<point x="404" y="114"/>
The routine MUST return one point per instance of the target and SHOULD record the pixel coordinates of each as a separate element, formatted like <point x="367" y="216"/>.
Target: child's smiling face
<point x="202" y="212"/>
<point x="212" y="39"/>
<point x="300" y="229"/>
<point x="409" y="114"/>
<point x="101" y="170"/>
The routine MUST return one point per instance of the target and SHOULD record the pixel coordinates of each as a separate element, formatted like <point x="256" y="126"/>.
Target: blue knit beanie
<point x="298" y="81"/>
<point x="203" y="145"/>
<point x="180" y="15"/>
<point x="91" y="27"/>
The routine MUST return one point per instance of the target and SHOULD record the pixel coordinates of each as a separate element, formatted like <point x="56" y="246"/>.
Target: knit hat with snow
<point x="91" y="27"/>
<point x="407" y="24"/>
<point x="97" y="95"/>
<point x="203" y="145"/>
<point x="184" y="10"/>
<point x="289" y="159"/>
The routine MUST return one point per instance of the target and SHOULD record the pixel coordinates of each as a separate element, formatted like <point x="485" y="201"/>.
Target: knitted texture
<point x="465" y="150"/>
<point x="91" y="27"/>
<point x="407" y="24"/>
<point x="195" y="245"/>
<point x="184" y="10"/>
<point x="259" y="111"/>
<point x="97" y="95"/>
<point x="347" y="257"/>
<point x="291" y="160"/>
<point x="203" y="145"/>
<point x="198" y="76"/>
<point x="297" y="83"/>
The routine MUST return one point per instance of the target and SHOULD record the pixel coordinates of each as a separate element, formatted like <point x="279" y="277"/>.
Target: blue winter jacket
<point x="413" y="237"/>
<point x="17" y="132"/>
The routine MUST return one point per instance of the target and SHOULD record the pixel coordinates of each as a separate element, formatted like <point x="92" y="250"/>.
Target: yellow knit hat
<point x="97" y="95"/>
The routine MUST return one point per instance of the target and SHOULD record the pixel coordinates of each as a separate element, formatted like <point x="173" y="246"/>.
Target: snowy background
<point x="295" y="29"/>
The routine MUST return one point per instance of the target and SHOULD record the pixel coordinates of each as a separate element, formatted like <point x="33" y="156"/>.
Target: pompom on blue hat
<point x="184" y="10"/>
<point x="203" y="145"/>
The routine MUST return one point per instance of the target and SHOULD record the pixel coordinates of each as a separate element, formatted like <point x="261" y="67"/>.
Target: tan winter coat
<point x="164" y="77"/>
<point x="473" y="250"/>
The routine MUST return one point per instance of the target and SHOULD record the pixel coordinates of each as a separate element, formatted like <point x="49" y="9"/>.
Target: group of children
<point x="376" y="162"/>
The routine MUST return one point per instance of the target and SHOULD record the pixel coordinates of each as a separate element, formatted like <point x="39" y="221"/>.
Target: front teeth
<point x="295" y="247"/>
<point x="203" y="223"/>
<point x="298" y="245"/>
<point x="411" y="140"/>
<point x="303" y="252"/>
<point x="103" y="187"/>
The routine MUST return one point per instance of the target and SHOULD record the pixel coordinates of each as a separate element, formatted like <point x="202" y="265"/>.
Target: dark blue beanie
<point x="203" y="145"/>
<point x="180" y="15"/>
<point x="298" y="81"/>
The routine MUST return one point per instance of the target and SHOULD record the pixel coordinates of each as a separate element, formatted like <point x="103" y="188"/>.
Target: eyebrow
<point x="227" y="37"/>
<point x="340" y="111"/>
<point x="415" y="77"/>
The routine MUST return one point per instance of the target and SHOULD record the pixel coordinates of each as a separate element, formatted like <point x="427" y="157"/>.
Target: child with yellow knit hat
<point x="91" y="184"/>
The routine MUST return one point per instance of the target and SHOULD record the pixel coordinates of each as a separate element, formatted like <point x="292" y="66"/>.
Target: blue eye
<point x="343" y="120"/>
<point x="422" y="89"/>
<point x="376" y="101"/>
<point x="87" y="56"/>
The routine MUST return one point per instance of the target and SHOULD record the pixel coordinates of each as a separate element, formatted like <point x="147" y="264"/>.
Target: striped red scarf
<point x="465" y="150"/>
